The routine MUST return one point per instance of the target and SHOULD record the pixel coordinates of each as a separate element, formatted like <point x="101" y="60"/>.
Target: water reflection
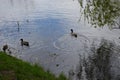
<point x="12" y="10"/>
<point x="46" y="26"/>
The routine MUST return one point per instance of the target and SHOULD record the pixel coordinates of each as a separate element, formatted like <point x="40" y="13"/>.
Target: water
<point x="46" y="25"/>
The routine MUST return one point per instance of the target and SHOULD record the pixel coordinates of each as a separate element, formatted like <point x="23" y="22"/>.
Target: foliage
<point x="101" y="12"/>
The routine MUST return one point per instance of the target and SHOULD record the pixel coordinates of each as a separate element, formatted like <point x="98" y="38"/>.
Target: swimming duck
<point x="73" y="34"/>
<point x="5" y="47"/>
<point x="24" y="43"/>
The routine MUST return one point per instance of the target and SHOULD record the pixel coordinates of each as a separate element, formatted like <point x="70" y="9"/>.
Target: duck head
<point x="21" y="40"/>
<point x="71" y="30"/>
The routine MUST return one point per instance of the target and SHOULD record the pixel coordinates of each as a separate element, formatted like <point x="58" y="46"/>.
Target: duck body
<point x="5" y="47"/>
<point x="24" y="43"/>
<point x="73" y="34"/>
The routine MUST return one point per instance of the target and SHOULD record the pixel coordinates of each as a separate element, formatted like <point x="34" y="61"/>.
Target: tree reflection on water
<point x="103" y="64"/>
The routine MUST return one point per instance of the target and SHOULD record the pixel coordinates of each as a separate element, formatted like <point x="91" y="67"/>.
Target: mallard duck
<point x="5" y="47"/>
<point x="73" y="34"/>
<point x="24" y="43"/>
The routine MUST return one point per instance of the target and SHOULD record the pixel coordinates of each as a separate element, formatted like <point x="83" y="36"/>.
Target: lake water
<point x="46" y="25"/>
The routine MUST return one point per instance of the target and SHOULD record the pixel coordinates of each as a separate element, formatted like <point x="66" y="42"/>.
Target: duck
<point x="5" y="47"/>
<point x="25" y="43"/>
<point x="73" y="34"/>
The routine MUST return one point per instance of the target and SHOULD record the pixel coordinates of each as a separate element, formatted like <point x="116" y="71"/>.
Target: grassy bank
<point x="15" y="69"/>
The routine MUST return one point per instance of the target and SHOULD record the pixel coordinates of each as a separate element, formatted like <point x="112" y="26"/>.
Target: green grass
<point x="12" y="68"/>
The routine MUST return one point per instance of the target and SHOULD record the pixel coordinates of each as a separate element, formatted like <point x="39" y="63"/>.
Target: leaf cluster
<point x="101" y="12"/>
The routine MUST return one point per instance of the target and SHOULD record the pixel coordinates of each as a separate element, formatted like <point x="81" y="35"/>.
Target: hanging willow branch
<point x="101" y="12"/>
